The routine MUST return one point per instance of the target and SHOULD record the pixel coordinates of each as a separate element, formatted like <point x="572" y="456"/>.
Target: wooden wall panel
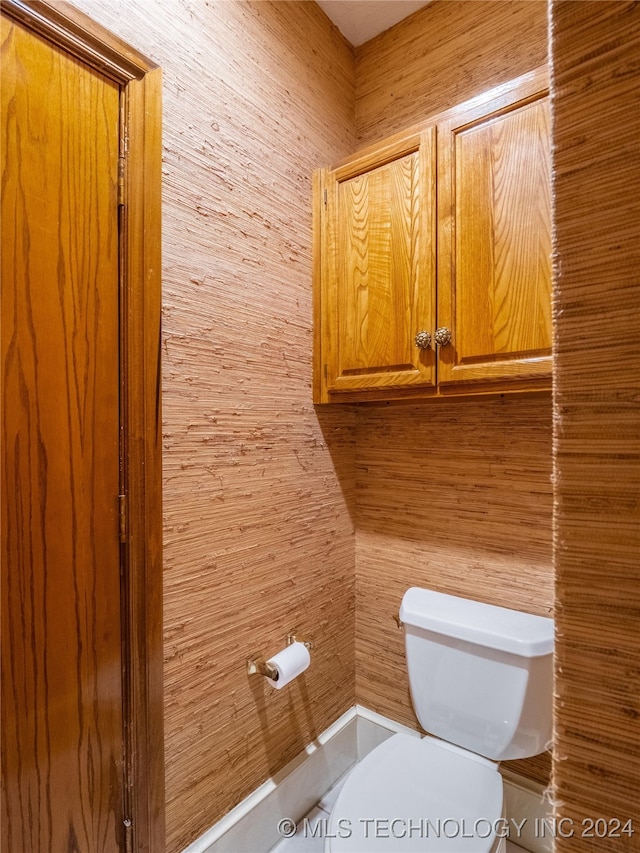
<point x="455" y="496"/>
<point x="447" y="52"/>
<point x="596" y="167"/>
<point x="258" y="492"/>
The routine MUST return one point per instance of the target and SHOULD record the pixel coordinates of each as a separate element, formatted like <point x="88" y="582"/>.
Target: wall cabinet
<point x="433" y="256"/>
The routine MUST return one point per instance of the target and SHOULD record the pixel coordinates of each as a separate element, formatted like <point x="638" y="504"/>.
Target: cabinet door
<point x="378" y="280"/>
<point x="494" y="273"/>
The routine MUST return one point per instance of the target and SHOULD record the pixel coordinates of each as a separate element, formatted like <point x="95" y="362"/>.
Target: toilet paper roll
<point x="289" y="663"/>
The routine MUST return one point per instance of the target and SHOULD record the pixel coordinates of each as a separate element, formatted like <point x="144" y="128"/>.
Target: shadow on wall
<point x="301" y="733"/>
<point x="338" y="426"/>
<point x="462" y="474"/>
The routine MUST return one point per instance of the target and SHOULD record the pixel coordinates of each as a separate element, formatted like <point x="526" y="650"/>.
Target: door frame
<point x="140" y="403"/>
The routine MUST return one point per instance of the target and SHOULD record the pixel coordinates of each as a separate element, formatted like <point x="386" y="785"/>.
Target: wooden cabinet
<point x="445" y="227"/>
<point x="378" y="266"/>
<point x="494" y="237"/>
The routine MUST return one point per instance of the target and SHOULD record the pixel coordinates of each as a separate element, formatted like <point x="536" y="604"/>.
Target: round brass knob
<point x="423" y="340"/>
<point x="442" y="336"/>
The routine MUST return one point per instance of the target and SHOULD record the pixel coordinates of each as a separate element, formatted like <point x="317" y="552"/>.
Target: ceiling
<point x="361" y="20"/>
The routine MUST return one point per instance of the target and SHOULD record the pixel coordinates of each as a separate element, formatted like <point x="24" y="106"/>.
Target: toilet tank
<point x="481" y="676"/>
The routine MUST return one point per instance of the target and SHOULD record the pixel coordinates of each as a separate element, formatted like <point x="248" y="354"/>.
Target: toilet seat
<point x="417" y="794"/>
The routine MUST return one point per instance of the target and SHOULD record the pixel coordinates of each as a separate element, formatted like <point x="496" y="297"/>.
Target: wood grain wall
<point x="258" y="492"/>
<point x="596" y="168"/>
<point x="447" y="52"/>
<point x="455" y="497"/>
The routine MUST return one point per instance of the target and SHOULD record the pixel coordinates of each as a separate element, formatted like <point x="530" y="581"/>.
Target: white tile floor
<point x="317" y="820"/>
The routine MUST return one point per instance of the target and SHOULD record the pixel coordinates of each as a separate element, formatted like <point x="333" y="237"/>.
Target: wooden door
<point x="62" y="694"/>
<point x="379" y="271"/>
<point x="494" y="219"/>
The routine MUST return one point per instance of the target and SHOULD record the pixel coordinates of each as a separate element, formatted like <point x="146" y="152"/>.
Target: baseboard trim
<point x="527" y="805"/>
<point x="252" y="826"/>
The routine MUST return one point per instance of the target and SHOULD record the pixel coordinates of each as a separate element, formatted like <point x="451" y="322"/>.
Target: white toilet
<point x="481" y="682"/>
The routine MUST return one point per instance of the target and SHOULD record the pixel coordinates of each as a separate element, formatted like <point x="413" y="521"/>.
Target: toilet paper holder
<point x="259" y="666"/>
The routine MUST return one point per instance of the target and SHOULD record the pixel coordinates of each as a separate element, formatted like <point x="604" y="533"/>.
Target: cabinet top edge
<point x="529" y="85"/>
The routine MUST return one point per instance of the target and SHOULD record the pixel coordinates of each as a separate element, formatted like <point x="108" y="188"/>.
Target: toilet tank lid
<point x="485" y="624"/>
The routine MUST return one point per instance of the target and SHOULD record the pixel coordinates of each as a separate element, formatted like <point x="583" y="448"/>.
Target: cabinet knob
<point x="442" y="336"/>
<point x="423" y="340"/>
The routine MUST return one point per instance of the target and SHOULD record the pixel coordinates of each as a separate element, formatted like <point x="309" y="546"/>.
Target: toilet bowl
<point x="480" y="679"/>
<point x="418" y="795"/>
